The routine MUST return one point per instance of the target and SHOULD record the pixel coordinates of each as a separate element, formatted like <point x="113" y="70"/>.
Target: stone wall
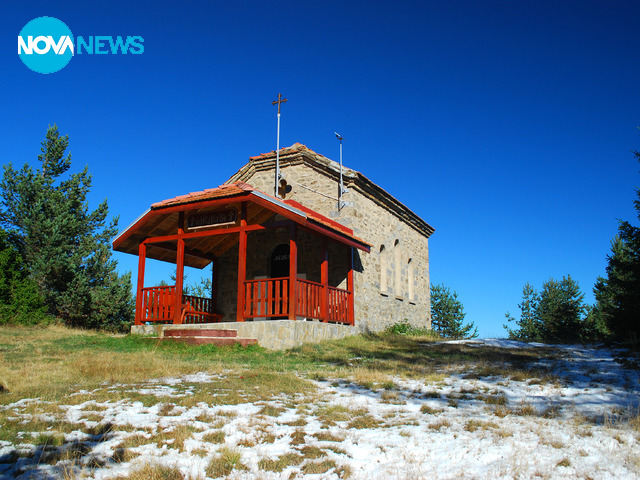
<point x="275" y="334"/>
<point x="392" y="281"/>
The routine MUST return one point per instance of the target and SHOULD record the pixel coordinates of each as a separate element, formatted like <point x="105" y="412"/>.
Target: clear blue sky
<point x="506" y="125"/>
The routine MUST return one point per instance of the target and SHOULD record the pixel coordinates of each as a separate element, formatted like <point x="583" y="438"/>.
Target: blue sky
<point x="508" y="126"/>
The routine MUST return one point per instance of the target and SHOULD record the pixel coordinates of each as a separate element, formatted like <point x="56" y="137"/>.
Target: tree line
<point x="558" y="313"/>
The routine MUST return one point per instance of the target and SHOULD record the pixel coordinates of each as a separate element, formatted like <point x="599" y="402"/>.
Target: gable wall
<point x="376" y="305"/>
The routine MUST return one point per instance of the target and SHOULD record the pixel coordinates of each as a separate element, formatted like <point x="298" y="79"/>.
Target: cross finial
<point x="279" y="101"/>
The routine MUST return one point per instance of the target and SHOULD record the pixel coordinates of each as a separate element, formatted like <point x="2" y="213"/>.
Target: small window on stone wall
<point x="410" y="280"/>
<point x="397" y="267"/>
<point x="383" y="269"/>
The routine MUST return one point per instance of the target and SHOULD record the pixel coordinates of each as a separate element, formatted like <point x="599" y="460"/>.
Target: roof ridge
<point x="296" y="147"/>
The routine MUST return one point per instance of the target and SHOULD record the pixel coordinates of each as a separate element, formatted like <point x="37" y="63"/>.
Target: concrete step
<point x="220" y="341"/>
<point x="199" y="332"/>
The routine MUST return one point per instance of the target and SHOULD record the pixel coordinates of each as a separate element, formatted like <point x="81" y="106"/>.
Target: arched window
<point x="410" y="280"/>
<point x="383" y="269"/>
<point x="397" y="267"/>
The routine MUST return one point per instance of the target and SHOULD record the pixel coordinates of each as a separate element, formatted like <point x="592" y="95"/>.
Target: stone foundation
<point x="272" y="334"/>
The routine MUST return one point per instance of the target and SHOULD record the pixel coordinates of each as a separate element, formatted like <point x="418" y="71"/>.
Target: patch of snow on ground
<point x="490" y="427"/>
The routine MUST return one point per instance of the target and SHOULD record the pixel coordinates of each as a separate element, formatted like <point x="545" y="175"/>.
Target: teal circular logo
<point x="45" y="45"/>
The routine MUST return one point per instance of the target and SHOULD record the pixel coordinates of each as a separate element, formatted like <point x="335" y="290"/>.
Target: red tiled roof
<point x="318" y="217"/>
<point x="223" y="191"/>
<point x="242" y="188"/>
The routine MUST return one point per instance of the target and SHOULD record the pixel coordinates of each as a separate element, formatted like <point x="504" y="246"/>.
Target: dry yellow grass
<point x="26" y="349"/>
<point x="217" y="436"/>
<point x="227" y="460"/>
<point x="154" y="472"/>
<point x="280" y="463"/>
<point x="318" y="467"/>
<point x="325" y="436"/>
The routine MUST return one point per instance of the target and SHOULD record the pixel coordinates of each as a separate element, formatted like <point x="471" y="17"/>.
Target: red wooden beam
<point x="179" y="271"/>
<point x="203" y="233"/>
<point x="214" y="285"/>
<point x="142" y="252"/>
<point x="293" y="270"/>
<point x="132" y="229"/>
<point x="187" y="252"/>
<point x="242" y="263"/>
<point x="324" y="275"/>
<point x="177" y="208"/>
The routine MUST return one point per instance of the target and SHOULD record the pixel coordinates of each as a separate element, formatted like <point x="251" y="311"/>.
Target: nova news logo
<point x="46" y="45"/>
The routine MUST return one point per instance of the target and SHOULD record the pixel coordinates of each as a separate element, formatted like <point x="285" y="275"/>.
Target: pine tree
<point x="447" y="314"/>
<point x="556" y="314"/>
<point x="560" y="311"/>
<point x="528" y="326"/>
<point x="618" y="295"/>
<point x="65" y="246"/>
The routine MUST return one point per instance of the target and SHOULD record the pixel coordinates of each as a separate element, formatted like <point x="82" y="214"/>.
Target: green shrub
<point x="405" y="328"/>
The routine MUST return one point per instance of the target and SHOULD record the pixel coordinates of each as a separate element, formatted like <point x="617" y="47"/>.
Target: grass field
<point x="77" y="404"/>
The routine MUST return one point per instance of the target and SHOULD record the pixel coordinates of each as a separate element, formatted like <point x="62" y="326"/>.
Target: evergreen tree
<point x="528" y="326"/>
<point x="447" y="314"/>
<point x="560" y="311"/>
<point x="618" y="295"/>
<point x="65" y="246"/>
<point x="20" y="301"/>
<point x="556" y="314"/>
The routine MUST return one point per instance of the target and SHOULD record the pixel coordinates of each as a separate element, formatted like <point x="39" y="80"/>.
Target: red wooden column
<point x="142" y="253"/>
<point x="214" y="285"/>
<point x="352" y="293"/>
<point x="293" y="271"/>
<point x="179" y="270"/>
<point x="242" y="263"/>
<point x="324" y="279"/>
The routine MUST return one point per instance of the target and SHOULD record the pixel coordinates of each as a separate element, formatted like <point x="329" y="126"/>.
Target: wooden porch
<point x="197" y="230"/>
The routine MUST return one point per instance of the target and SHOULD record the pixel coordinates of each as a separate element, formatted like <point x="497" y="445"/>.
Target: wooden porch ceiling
<point x="199" y="252"/>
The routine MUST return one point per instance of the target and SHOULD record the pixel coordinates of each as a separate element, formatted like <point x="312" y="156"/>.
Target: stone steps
<point x="199" y="332"/>
<point x="206" y="336"/>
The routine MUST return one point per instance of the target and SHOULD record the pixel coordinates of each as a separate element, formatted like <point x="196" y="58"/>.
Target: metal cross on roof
<point x="279" y="101"/>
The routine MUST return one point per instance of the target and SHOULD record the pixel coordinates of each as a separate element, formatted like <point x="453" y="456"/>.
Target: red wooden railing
<point x="339" y="305"/>
<point x="158" y="305"/>
<point x="264" y="298"/>
<point x="268" y="297"/>
<point x="308" y="299"/>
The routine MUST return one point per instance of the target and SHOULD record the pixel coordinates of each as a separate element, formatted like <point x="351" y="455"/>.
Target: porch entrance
<point x="280" y="261"/>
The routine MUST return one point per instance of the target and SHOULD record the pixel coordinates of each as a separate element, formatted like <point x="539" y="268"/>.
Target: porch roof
<point x="160" y="222"/>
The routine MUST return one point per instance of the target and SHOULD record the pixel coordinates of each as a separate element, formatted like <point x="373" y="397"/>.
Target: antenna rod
<point x="275" y="187"/>
<point x="342" y="189"/>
